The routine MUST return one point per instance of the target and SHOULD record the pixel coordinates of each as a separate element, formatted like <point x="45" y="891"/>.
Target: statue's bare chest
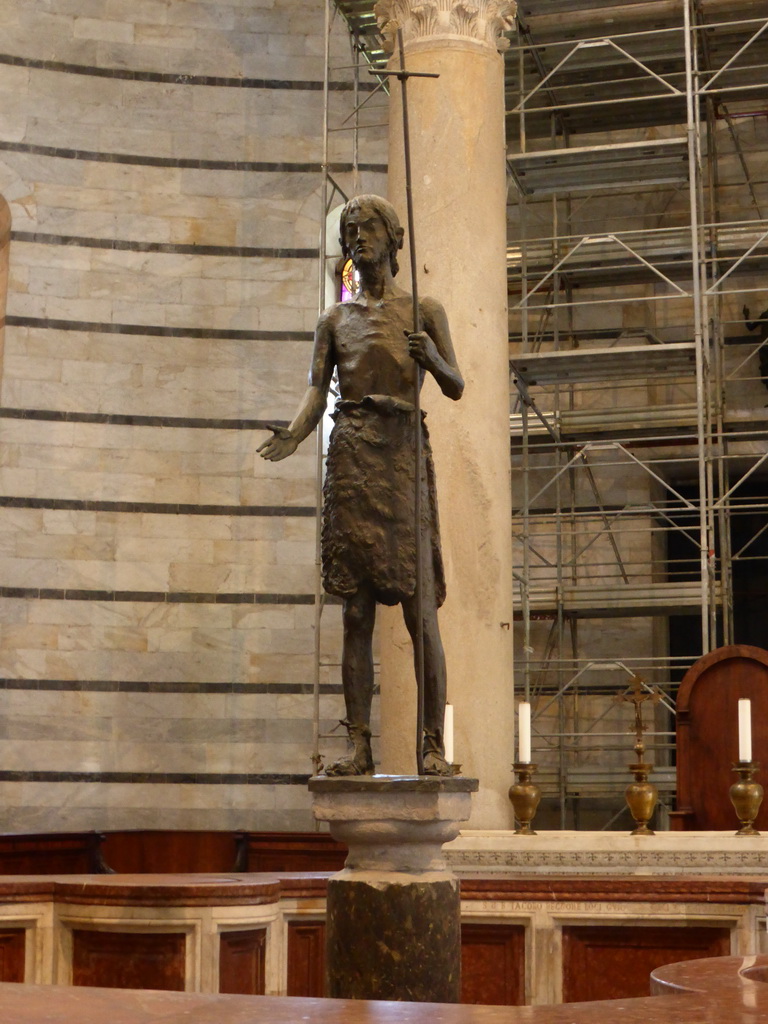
<point x="374" y="334"/>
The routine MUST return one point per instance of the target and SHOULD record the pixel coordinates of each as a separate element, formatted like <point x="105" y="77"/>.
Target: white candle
<point x="448" y="733"/>
<point x="524" y="732"/>
<point x="745" y="729"/>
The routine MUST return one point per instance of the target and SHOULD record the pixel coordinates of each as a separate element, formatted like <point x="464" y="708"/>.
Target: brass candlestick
<point x="641" y="795"/>
<point x="524" y="796"/>
<point x="746" y="797"/>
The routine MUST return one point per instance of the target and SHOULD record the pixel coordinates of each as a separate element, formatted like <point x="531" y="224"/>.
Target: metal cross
<point x="637" y="693"/>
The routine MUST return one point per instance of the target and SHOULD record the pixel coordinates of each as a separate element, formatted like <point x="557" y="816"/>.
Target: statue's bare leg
<point x="434" y="675"/>
<point x="358" y="616"/>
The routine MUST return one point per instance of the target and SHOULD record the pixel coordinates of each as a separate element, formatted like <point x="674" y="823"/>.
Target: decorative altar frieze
<point x="581" y="853"/>
<point x="483" y="20"/>
<point x="734" y="863"/>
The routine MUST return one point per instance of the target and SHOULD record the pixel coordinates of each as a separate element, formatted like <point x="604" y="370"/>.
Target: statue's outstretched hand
<point x="279" y="446"/>
<point x="422" y="349"/>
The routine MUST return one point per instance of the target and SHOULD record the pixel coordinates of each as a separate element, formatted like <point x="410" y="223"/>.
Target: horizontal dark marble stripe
<point x="154" y="330"/>
<point x="132" y="420"/>
<point x="174" y="778"/>
<point x="157" y="507"/>
<point x="152" y="596"/>
<point x="191" y="163"/>
<point x="153" y="686"/>
<point x="127" y="245"/>
<point x="179" y="78"/>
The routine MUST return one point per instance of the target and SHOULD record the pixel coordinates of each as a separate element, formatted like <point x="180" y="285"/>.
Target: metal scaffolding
<point x="636" y="233"/>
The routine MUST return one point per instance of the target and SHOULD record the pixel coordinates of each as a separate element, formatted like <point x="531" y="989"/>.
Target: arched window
<point x="341" y="281"/>
<point x="349" y="281"/>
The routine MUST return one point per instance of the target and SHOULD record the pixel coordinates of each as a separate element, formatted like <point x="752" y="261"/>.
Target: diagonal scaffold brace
<point x="402" y="75"/>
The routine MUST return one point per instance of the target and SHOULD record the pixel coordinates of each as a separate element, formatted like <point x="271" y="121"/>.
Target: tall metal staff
<point x="402" y="76"/>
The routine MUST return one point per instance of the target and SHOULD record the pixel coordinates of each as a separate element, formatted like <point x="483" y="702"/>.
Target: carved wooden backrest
<point x="707" y="735"/>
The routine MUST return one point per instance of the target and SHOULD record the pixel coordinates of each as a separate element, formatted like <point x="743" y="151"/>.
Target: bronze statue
<point x="368" y="523"/>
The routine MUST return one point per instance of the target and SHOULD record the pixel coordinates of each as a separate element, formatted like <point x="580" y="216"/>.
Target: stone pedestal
<point x="393" y="923"/>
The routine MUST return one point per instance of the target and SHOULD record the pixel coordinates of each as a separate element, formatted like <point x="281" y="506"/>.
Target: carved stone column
<point x="459" y="191"/>
<point x="393" y="927"/>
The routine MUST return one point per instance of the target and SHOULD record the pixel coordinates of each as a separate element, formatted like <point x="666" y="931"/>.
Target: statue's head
<point x="386" y="213"/>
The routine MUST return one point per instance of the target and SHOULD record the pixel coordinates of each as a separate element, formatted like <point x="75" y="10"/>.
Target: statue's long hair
<point x="389" y="218"/>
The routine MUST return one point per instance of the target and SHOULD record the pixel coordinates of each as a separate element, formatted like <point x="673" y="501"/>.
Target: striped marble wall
<point x="161" y="161"/>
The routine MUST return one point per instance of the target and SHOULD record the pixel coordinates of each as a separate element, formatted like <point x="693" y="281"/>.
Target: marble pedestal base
<point x="393" y="928"/>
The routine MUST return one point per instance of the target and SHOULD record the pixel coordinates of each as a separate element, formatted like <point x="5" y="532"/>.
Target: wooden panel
<point x="294" y="851"/>
<point x="306" y="958"/>
<point x="707" y="735"/>
<point x="128" y="959"/>
<point x="50" y="854"/>
<point x="12" y="945"/>
<point x="161" y="852"/>
<point x="242" y="958"/>
<point x="493" y="964"/>
<point x="614" y="962"/>
<point x="157" y="851"/>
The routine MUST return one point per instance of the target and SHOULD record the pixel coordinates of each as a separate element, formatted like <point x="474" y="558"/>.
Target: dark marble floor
<point x="730" y="989"/>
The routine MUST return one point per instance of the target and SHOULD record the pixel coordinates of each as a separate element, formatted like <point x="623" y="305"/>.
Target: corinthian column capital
<point x="483" y="20"/>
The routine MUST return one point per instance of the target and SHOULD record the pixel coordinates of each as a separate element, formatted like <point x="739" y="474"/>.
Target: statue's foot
<point x="349" y="766"/>
<point x="359" y="761"/>
<point x="435" y="764"/>
<point x="434" y="756"/>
